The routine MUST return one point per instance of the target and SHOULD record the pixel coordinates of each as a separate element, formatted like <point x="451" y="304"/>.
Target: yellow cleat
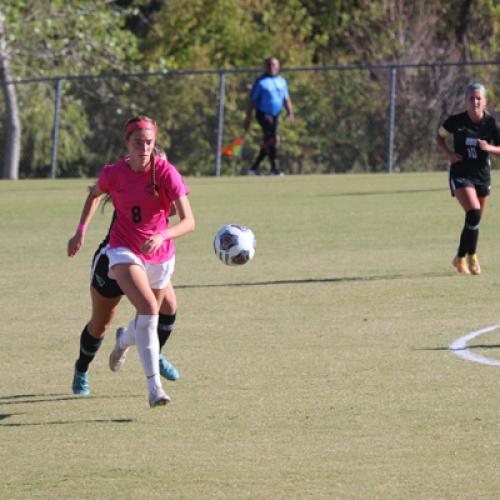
<point x="473" y="263"/>
<point x="461" y="264"/>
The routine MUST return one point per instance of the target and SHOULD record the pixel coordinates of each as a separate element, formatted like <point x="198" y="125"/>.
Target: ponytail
<point x="155" y="189"/>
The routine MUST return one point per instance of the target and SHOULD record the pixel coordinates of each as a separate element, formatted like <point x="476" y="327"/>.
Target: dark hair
<point x="267" y="61"/>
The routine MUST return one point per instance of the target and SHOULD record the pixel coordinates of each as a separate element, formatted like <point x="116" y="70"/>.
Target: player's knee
<point x="149" y="307"/>
<point x="97" y="328"/>
<point x="472" y="219"/>
<point x="168" y="306"/>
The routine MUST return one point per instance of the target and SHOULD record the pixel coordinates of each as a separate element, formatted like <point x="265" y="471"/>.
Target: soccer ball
<point x="234" y="244"/>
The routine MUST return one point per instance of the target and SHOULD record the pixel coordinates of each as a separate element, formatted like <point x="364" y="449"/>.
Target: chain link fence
<point x="360" y="118"/>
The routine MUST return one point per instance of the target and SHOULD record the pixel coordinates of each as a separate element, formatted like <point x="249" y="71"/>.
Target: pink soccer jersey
<point x="138" y="213"/>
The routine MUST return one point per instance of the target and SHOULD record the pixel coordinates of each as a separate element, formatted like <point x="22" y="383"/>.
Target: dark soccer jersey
<point x="476" y="162"/>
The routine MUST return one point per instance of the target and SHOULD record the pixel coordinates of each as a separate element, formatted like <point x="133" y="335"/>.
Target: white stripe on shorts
<point x="96" y="260"/>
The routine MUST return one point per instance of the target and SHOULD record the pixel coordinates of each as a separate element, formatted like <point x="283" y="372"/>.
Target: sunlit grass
<point x="321" y="369"/>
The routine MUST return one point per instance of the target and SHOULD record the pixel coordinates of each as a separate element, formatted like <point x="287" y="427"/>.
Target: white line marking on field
<point x="460" y="348"/>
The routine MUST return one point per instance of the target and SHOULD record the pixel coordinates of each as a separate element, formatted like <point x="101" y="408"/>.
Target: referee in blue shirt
<point x="268" y="96"/>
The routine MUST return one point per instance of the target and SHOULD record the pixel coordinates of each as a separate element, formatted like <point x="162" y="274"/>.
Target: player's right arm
<point x="251" y="105"/>
<point x="441" y="143"/>
<point x="248" y="114"/>
<point x="88" y="211"/>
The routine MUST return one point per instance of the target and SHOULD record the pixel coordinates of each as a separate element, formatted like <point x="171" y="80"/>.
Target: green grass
<point x="319" y="370"/>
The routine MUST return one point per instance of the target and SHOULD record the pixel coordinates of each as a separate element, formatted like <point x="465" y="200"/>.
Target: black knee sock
<point x="88" y="349"/>
<point x="470" y="233"/>
<point x="464" y="243"/>
<point x="473" y="242"/>
<point x="272" y="157"/>
<point x="165" y="327"/>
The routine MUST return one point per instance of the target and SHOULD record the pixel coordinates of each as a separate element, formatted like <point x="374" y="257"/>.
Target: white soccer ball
<point x="234" y="244"/>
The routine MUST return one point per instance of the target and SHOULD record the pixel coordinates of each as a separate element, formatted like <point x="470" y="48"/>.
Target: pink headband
<point x="138" y="125"/>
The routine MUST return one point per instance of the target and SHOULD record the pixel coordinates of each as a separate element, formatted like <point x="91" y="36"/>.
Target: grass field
<point x="322" y="369"/>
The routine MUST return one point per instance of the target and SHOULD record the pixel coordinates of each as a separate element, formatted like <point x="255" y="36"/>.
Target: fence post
<point x="220" y="119"/>
<point x="392" y="98"/>
<point x="55" y="130"/>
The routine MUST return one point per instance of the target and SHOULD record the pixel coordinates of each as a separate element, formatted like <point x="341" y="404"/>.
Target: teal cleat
<point x="168" y="370"/>
<point x="81" y="383"/>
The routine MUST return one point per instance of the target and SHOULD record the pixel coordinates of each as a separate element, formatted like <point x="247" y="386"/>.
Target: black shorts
<point x="100" y="280"/>
<point x="269" y="124"/>
<point x="456" y="182"/>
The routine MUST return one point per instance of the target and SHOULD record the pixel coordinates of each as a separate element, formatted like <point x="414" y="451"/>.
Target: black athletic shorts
<point x="100" y="280"/>
<point x="269" y="124"/>
<point x="482" y="189"/>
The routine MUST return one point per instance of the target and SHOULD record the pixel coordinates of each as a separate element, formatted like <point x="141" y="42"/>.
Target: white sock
<point x="153" y="382"/>
<point x="148" y="347"/>
<point x="127" y="338"/>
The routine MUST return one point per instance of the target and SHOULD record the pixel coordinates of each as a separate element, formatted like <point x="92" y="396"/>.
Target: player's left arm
<point x="489" y="148"/>
<point x="288" y="103"/>
<point x="185" y="225"/>
<point x="186" y="222"/>
<point x="494" y="148"/>
<point x="289" y="109"/>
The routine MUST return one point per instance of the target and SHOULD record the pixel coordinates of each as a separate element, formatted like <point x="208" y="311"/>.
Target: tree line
<point x="341" y="115"/>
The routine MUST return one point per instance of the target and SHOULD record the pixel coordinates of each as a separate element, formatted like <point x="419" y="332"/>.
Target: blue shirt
<point x="269" y="93"/>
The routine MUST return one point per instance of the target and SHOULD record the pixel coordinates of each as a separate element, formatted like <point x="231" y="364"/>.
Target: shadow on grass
<point x="376" y="193"/>
<point x="18" y="399"/>
<point x="306" y="281"/>
<point x="465" y="348"/>
<point x="48" y="398"/>
<point x="7" y="415"/>
<point x="69" y="422"/>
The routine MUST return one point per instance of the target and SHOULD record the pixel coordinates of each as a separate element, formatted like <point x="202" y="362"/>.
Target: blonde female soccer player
<point x="476" y="134"/>
<point x="141" y="251"/>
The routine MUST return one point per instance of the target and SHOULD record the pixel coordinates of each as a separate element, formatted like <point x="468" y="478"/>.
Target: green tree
<point x="204" y="34"/>
<point x="13" y="126"/>
<point x="341" y="117"/>
<point x="49" y="38"/>
<point x="366" y="32"/>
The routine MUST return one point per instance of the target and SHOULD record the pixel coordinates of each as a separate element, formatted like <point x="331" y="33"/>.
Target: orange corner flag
<point x="235" y="148"/>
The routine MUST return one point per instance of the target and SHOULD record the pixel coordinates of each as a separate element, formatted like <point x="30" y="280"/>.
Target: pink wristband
<point x="81" y="228"/>
<point x="164" y="234"/>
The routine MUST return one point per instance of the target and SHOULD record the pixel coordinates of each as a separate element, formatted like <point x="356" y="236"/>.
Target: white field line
<point x="461" y="349"/>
